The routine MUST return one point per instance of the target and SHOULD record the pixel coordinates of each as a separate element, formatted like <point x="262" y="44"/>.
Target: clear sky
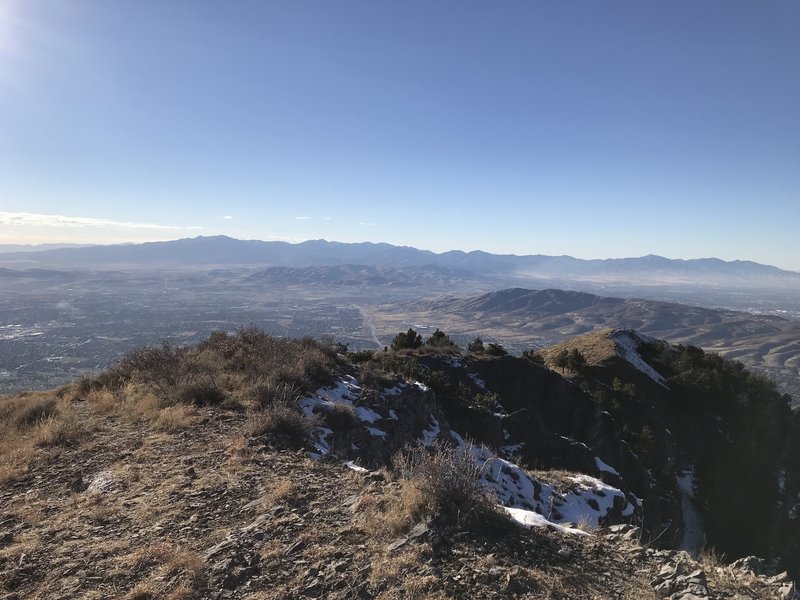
<point x="590" y="128"/>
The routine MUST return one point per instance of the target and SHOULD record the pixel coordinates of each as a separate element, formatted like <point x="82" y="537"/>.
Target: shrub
<point x="485" y="402"/>
<point x="407" y="340"/>
<point x="341" y="417"/>
<point x="439" y="339"/>
<point x="449" y="479"/>
<point x="281" y="426"/>
<point x="476" y="346"/>
<point x="495" y="350"/>
<point x="155" y="364"/>
<point x="361" y="356"/>
<point x="270" y="393"/>
<point x="534" y="356"/>
<point x="201" y="394"/>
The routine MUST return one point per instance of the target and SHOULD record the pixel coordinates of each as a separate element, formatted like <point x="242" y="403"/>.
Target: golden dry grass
<point x="174" y="418"/>
<point x="31" y="422"/>
<point x="596" y="347"/>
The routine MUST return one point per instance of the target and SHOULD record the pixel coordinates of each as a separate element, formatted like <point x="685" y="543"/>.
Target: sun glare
<point x="6" y="27"/>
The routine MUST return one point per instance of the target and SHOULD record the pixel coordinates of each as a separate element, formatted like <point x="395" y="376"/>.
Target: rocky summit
<point x="613" y="465"/>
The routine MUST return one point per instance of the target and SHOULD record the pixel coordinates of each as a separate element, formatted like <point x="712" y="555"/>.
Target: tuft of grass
<point x="174" y="573"/>
<point x="102" y="401"/>
<point x="395" y="511"/>
<point x="174" y="418"/>
<point x="9" y="473"/>
<point x="268" y="393"/>
<point x="710" y="557"/>
<point x="59" y="430"/>
<point x="26" y="410"/>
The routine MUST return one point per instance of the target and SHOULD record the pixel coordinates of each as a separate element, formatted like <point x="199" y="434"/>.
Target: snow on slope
<point x="627" y="344"/>
<point x="528" y="500"/>
<point x="588" y="500"/>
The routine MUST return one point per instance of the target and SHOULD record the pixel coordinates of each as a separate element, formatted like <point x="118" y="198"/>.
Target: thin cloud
<point x="226" y="217"/>
<point x="35" y="219"/>
<point x="303" y="218"/>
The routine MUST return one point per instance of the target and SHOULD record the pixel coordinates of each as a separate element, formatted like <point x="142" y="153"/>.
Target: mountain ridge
<point x="215" y="250"/>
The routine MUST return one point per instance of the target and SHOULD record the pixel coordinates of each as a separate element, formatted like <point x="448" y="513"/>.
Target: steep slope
<point x="254" y="467"/>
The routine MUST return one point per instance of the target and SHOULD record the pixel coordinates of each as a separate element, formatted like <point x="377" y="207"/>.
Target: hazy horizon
<point x="35" y="245"/>
<point x="576" y="129"/>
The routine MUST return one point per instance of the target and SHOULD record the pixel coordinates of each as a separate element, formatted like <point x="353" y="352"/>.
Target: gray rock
<point x="749" y="564"/>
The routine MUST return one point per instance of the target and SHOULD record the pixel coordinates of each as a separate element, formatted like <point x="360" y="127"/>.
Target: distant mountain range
<point x="225" y="251"/>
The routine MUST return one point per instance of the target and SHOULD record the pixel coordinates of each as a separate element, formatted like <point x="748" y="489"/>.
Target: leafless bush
<point x="280" y="425"/>
<point x="449" y="479"/>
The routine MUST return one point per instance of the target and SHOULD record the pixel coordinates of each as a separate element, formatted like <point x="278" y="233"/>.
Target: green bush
<point x="439" y="339"/>
<point x="409" y="340"/>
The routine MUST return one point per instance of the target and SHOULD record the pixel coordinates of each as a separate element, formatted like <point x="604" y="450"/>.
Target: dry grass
<point x="103" y="401"/>
<point x="62" y="429"/>
<point x="9" y="473"/>
<point x="395" y="511"/>
<point x="171" y="572"/>
<point x="282" y="492"/>
<point x="31" y="421"/>
<point x="174" y="418"/>
<point x="710" y="557"/>
<point x="280" y="425"/>
<point x="596" y="347"/>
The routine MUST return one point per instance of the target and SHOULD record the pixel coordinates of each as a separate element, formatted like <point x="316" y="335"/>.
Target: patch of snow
<point x="343" y="392"/>
<point x="393" y="415"/>
<point x="588" y="501"/>
<point x="605" y="468"/>
<point x="319" y="438"/>
<point x="693" y="534"/>
<point x="421" y="386"/>
<point x="627" y="344"/>
<point x="506" y="435"/>
<point x="429" y="435"/>
<point x="528" y="518"/>
<point x="458" y="439"/>
<point x="367" y="415"/>
<point x="351" y="465"/>
<point x="571" y="441"/>
<point x="376" y="432"/>
<point x="394" y="391"/>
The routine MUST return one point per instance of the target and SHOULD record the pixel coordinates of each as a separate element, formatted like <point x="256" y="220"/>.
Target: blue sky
<point x="595" y="129"/>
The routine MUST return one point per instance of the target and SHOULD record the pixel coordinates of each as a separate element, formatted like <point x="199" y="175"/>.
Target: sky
<point x="588" y="128"/>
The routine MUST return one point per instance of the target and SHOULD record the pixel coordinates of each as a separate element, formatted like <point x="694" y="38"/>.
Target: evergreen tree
<point x="407" y="340"/>
<point x="476" y="346"/>
<point x="439" y="339"/>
